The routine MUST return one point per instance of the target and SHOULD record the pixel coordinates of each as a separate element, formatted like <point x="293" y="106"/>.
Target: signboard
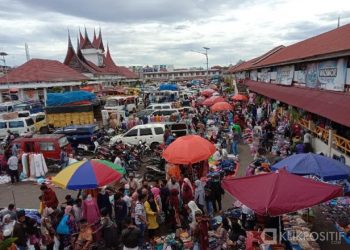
<point x="254" y="75"/>
<point x="330" y="75"/>
<point x="285" y="75"/>
<point x="265" y="75"/>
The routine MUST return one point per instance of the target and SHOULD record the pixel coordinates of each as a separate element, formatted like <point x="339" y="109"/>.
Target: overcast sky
<point x="147" y="32"/>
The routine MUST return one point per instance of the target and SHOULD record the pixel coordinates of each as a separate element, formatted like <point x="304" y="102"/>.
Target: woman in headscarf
<point x="65" y="239"/>
<point x="156" y="192"/>
<point x="7" y="223"/>
<point x="151" y="212"/>
<point x="187" y="191"/>
<point x="199" y="194"/>
<point x="90" y="210"/>
<point x="193" y="209"/>
<point x="174" y="208"/>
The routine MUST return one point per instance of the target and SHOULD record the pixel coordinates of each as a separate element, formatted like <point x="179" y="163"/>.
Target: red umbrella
<point x="240" y="97"/>
<point x="221" y="106"/>
<point x="278" y="193"/>
<point x="207" y="92"/>
<point x="212" y="100"/>
<point x="188" y="149"/>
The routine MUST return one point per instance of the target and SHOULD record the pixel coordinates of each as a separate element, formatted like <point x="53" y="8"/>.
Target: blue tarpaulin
<point x="314" y="164"/>
<point x="168" y="86"/>
<point x="59" y="99"/>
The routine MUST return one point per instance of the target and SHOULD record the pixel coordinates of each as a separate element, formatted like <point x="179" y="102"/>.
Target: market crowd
<point x="185" y="209"/>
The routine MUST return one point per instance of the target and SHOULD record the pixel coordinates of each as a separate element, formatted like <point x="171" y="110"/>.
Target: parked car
<point x="80" y="134"/>
<point x="159" y="106"/>
<point x="152" y="134"/>
<point x="18" y="126"/>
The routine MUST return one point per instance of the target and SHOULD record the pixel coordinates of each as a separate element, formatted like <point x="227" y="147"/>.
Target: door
<point x="146" y="135"/>
<point x="131" y="137"/>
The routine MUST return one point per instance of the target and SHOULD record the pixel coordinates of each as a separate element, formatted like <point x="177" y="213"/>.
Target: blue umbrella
<point x="314" y="164"/>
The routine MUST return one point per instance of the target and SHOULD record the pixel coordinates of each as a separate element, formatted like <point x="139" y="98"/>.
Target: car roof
<point x="40" y="136"/>
<point x="150" y="125"/>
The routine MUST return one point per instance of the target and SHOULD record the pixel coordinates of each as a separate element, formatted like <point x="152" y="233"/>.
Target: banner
<point x="330" y="75"/>
<point x="285" y="75"/>
<point x="265" y="75"/>
<point x="254" y="75"/>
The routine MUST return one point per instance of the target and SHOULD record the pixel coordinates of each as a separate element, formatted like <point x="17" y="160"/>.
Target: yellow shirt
<point x="151" y="216"/>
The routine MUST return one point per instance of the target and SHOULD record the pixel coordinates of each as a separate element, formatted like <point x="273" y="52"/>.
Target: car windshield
<point x="63" y="141"/>
<point x="29" y="122"/>
<point x="3" y="109"/>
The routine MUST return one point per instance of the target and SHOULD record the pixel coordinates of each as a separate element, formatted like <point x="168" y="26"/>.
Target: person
<point x="193" y="209"/>
<point x="64" y="158"/>
<point x="14" y="149"/>
<point x="11" y="210"/>
<point x="90" y="210"/>
<point x="117" y="160"/>
<point x="71" y="159"/>
<point x="70" y="224"/>
<point x="164" y="196"/>
<point x="235" y="141"/>
<point x="174" y="208"/>
<point x="173" y="184"/>
<point x="130" y="236"/>
<point x="8" y="223"/>
<point x="49" y="198"/>
<point x="200" y="232"/>
<point x="120" y="210"/>
<point x="157" y="198"/>
<point x="85" y="237"/>
<point x="109" y="230"/>
<point x="247" y="217"/>
<point x="199" y="194"/>
<point x="217" y="154"/>
<point x="47" y="229"/>
<point x="78" y="213"/>
<point x="13" y="168"/>
<point x="104" y="202"/>
<point x="69" y="200"/>
<point x="218" y="191"/>
<point x="133" y="185"/>
<point x="152" y="211"/>
<point x="140" y="216"/>
<point x="19" y="231"/>
<point x="187" y="191"/>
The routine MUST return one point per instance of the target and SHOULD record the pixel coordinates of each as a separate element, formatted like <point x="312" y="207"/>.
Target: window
<point x="3" y="125"/>
<point x="158" y="130"/>
<point x="63" y="141"/>
<point x="46" y="146"/>
<point x="145" y="131"/>
<point x="16" y="124"/>
<point x="40" y="118"/>
<point x="29" y="122"/>
<point x="157" y="107"/>
<point x="131" y="133"/>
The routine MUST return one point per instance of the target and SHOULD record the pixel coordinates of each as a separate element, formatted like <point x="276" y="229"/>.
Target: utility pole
<point x="207" y="61"/>
<point x="3" y="54"/>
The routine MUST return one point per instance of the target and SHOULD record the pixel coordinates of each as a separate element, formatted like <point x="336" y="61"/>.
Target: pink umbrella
<point x="212" y="100"/>
<point x="279" y="193"/>
<point x="207" y="92"/>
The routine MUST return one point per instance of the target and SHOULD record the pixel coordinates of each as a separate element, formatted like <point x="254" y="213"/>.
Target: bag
<point x="160" y="218"/>
<point x="62" y="227"/>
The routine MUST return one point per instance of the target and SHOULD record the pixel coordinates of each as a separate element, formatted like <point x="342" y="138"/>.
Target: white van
<point x="117" y="103"/>
<point x="152" y="134"/>
<point x="7" y="107"/>
<point x="18" y="126"/>
<point x="159" y="106"/>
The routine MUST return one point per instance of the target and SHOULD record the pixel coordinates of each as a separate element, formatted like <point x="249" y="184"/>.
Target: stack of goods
<point x="70" y="108"/>
<point x="235" y="212"/>
<point x="338" y="212"/>
<point x="281" y="144"/>
<point x="299" y="232"/>
<point x="4" y="179"/>
<point x="247" y="136"/>
<point x="223" y="168"/>
<point x="34" y="165"/>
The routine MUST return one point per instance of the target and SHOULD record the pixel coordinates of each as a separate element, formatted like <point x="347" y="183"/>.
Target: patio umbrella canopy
<point x="278" y="193"/>
<point x="221" y="106"/>
<point x="207" y="92"/>
<point x="314" y="164"/>
<point x="88" y="174"/>
<point x="239" y="97"/>
<point x="188" y="149"/>
<point x="212" y="100"/>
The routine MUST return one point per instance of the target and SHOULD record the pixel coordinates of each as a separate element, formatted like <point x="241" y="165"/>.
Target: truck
<point x="62" y="116"/>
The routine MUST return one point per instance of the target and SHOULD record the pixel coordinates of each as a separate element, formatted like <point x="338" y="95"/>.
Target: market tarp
<point x="314" y="164"/>
<point x="168" y="86"/>
<point x="88" y="174"/>
<point x="60" y="99"/>
<point x="189" y="149"/>
<point x="278" y="193"/>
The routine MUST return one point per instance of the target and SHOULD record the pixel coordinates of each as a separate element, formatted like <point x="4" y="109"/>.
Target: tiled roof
<point x="41" y="70"/>
<point x="336" y="40"/>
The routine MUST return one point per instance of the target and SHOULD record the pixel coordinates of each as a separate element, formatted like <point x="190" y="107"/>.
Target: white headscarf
<point x="194" y="208"/>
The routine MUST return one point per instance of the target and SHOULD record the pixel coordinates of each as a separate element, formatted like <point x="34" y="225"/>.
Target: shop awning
<point x="334" y="106"/>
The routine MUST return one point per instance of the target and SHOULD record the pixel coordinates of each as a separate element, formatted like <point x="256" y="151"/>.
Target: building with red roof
<point x="32" y="79"/>
<point x="92" y="60"/>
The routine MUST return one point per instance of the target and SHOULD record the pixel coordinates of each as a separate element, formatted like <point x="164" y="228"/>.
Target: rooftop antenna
<point x="27" y="51"/>
<point x="338" y="21"/>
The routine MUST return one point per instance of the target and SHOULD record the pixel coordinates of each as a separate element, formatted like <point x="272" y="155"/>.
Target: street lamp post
<point x="207" y="60"/>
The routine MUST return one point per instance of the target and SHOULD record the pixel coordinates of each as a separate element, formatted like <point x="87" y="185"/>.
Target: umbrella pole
<point x="279" y="230"/>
